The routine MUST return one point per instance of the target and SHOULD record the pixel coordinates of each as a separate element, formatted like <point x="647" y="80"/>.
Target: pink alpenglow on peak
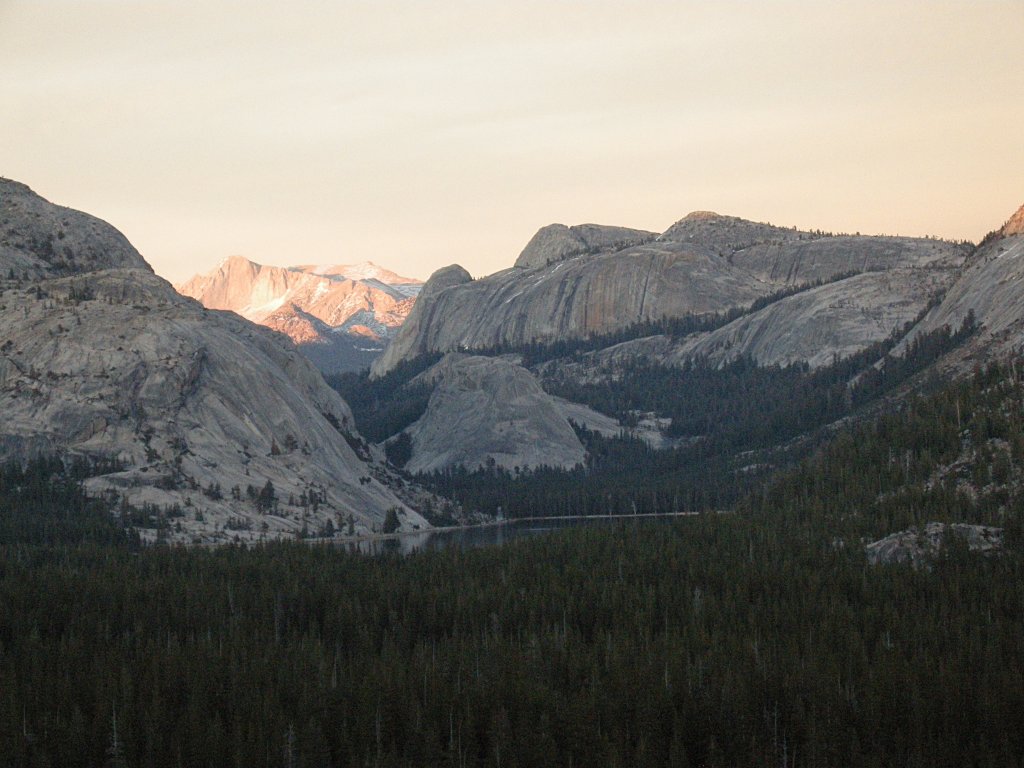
<point x="341" y="316"/>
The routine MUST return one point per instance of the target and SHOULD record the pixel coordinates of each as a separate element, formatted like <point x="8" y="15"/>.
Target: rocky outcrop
<point x="791" y="257"/>
<point x="815" y="326"/>
<point x="407" y="345"/>
<point x="705" y="263"/>
<point x="824" y="259"/>
<point x="992" y="288"/>
<point x="919" y="546"/>
<point x="340" y="316"/>
<point x="490" y="411"/>
<point x="1014" y="225"/>
<point x="41" y="240"/>
<point x="727" y="234"/>
<point x="557" y="242"/>
<point x="196" y="407"/>
<point x="579" y="296"/>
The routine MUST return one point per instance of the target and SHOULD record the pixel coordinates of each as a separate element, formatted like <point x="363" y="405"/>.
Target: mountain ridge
<point x="703" y="264"/>
<point x="288" y="299"/>
<point x="215" y="428"/>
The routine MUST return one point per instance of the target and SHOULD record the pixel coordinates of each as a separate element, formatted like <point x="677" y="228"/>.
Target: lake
<point x="493" y="534"/>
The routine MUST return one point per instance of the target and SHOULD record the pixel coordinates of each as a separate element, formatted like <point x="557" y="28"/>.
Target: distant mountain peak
<point x="363" y="270"/>
<point x="314" y="305"/>
<point x="237" y="259"/>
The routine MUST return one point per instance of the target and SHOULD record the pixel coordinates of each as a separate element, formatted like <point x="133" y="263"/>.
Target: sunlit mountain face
<point x="340" y="315"/>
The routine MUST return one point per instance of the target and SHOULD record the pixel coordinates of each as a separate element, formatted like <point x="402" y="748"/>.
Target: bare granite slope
<point x="39" y="239"/>
<point x="575" y="297"/>
<point x="113" y="363"/>
<point x="1014" y="225"/>
<point x="815" y="326"/>
<point x="489" y="410"/>
<point x="792" y="257"/>
<point x="557" y="242"/>
<point x="992" y="288"/>
<point x="566" y="286"/>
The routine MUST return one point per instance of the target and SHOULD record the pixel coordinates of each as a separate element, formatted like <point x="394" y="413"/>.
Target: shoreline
<point x="368" y="537"/>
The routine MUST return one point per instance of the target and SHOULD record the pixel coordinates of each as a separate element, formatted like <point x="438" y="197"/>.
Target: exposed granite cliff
<point x="557" y="242"/>
<point x="41" y="240"/>
<point x="1014" y="225"/>
<point x="571" y="298"/>
<point x="104" y="359"/>
<point x="561" y="288"/>
<point x="992" y="288"/>
<point x="489" y="410"/>
<point x="815" y="326"/>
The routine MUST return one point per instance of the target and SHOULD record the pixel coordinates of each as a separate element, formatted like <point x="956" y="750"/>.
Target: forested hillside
<point x="956" y="455"/>
<point x="731" y="427"/>
<point x="745" y="639"/>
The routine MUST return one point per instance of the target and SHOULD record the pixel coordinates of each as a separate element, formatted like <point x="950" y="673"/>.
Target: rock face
<point x="917" y="547"/>
<point x="992" y="287"/>
<point x="557" y="242"/>
<point x="814" y="326"/>
<point x="102" y="359"/>
<point x="366" y="272"/>
<point x="340" y="316"/>
<point x="1014" y="225"/>
<point x="487" y="410"/>
<point x="786" y="256"/>
<point x="562" y="288"/>
<point x="572" y="298"/>
<point x="41" y="240"/>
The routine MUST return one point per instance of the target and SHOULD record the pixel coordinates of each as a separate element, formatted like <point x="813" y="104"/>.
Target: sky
<point x="423" y="133"/>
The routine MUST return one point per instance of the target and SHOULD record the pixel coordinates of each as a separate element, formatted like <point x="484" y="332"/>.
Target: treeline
<point x="719" y="641"/>
<point x="622" y="476"/>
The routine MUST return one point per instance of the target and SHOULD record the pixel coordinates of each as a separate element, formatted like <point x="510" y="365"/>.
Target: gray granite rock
<point x="704" y="263"/>
<point x="489" y="410"/>
<point x="557" y="242"/>
<point x="39" y="239"/>
<point x="917" y="546"/>
<point x="575" y="297"/>
<point x="992" y="288"/>
<point x="815" y="326"/>
<point x="114" y="363"/>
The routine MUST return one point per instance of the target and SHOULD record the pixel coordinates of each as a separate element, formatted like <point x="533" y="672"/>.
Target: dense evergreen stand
<point x="760" y="637"/>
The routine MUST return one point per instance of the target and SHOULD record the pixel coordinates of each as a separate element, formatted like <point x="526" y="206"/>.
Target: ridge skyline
<point x="451" y="132"/>
<point x="498" y="262"/>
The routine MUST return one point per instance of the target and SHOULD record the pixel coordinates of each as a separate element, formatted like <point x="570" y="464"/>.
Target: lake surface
<point x="492" y="535"/>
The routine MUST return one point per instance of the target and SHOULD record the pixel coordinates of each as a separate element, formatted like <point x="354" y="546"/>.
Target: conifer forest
<point x="758" y="636"/>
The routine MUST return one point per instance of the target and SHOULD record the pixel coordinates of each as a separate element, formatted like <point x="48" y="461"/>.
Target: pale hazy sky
<point x="418" y="134"/>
